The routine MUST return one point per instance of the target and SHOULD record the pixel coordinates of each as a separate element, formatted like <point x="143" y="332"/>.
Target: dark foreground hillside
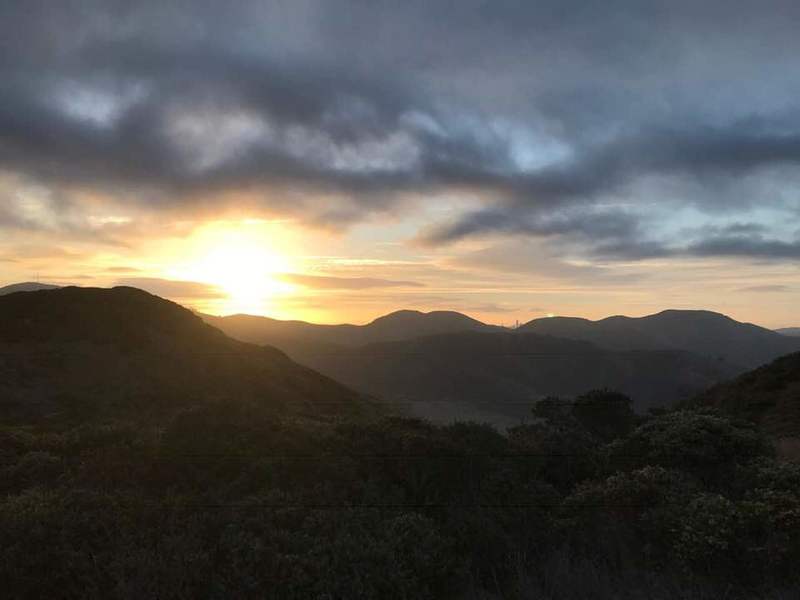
<point x="78" y="352"/>
<point x="233" y="501"/>
<point x="768" y="396"/>
<point x="144" y="454"/>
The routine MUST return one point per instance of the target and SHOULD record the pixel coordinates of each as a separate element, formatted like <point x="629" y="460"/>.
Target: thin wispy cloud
<point x="172" y="288"/>
<point x="767" y="289"/>
<point x="345" y="283"/>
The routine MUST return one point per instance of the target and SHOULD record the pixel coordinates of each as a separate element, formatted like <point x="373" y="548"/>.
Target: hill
<point x="706" y="333"/>
<point x="241" y="498"/>
<point x="28" y="286"/>
<point x="769" y="396"/>
<point x="790" y="331"/>
<point x="78" y="352"/>
<point x="293" y="335"/>
<point x="497" y="377"/>
<point x="698" y="331"/>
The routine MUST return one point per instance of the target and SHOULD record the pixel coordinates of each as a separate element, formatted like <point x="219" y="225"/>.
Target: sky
<point x="334" y="160"/>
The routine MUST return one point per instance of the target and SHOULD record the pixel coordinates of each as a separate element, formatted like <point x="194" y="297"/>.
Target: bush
<point x="703" y="443"/>
<point x="230" y="500"/>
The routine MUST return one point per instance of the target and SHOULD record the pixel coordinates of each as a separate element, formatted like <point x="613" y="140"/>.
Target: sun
<point x="246" y="273"/>
<point x="242" y="265"/>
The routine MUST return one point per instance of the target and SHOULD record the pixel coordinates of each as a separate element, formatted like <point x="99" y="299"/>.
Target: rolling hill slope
<point x="497" y="377"/>
<point x="769" y="395"/>
<point x="396" y="326"/>
<point x="121" y="351"/>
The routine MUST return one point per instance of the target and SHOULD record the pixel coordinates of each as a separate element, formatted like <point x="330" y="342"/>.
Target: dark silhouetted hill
<point x="497" y="377"/>
<point x="101" y="352"/>
<point x="248" y="498"/>
<point x="698" y="331"/>
<point x="28" y="286"/>
<point x="293" y="335"/>
<point x="769" y="396"/>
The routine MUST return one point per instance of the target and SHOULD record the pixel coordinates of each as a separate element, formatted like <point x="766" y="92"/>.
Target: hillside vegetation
<point x="769" y="396"/>
<point x="209" y="468"/>
<point x="232" y="500"/>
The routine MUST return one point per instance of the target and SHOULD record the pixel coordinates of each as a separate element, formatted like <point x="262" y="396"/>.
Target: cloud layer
<point x="618" y="131"/>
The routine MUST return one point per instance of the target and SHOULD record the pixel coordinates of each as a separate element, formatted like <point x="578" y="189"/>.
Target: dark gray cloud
<point x="632" y="249"/>
<point x="584" y="223"/>
<point x="571" y="121"/>
<point x="753" y="246"/>
<point x="706" y="156"/>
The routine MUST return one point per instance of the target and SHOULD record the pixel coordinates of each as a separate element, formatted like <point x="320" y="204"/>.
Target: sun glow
<point x="242" y="264"/>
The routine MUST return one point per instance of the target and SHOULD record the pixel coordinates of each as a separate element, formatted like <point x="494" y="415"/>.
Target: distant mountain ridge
<point x="467" y="369"/>
<point x="27" y="286"/>
<point x="702" y="332"/>
<point x="122" y="351"/>
<point x="790" y="331"/>
<point x="395" y="326"/>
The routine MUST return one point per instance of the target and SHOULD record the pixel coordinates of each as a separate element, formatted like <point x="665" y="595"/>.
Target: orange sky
<point x="284" y="269"/>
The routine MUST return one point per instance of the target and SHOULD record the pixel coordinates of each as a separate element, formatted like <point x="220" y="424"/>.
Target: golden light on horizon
<point x="241" y="261"/>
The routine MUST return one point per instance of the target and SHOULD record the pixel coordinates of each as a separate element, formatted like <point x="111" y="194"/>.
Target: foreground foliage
<point x="229" y="500"/>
